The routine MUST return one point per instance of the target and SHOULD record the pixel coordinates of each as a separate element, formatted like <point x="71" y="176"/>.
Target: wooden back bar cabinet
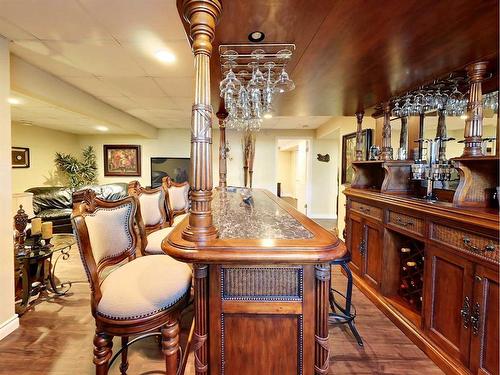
<point x="431" y="266"/>
<point x="261" y="287"/>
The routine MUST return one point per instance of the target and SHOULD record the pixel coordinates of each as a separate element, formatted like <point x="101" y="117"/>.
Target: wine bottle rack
<point x="411" y="274"/>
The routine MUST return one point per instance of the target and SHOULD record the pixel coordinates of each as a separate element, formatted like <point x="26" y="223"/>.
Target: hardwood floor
<point x="55" y="337"/>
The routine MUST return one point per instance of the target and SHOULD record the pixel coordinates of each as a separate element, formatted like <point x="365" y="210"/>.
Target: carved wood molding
<point x="473" y="131"/>
<point x="386" y="151"/>
<point x="322" y="352"/>
<point x="359" y="135"/>
<point x="202" y="16"/>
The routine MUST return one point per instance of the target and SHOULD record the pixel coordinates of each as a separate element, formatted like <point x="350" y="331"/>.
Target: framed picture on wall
<point x="349" y="153"/>
<point x="20" y="157"/>
<point x="122" y="160"/>
<point x="176" y="168"/>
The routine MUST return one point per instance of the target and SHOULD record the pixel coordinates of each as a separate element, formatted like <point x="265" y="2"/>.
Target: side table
<point x="26" y="258"/>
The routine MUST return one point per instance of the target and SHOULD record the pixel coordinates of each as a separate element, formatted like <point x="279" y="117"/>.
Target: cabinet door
<point x="356" y="242"/>
<point x="484" y="323"/>
<point x="448" y="301"/>
<point x="373" y="255"/>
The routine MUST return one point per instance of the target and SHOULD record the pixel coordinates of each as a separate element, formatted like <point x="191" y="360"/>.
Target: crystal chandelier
<point x="252" y="77"/>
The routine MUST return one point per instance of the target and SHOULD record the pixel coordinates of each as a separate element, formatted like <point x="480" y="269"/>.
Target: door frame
<point x="308" y="164"/>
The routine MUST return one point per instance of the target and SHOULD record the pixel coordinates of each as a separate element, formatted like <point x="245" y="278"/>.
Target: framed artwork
<point x="20" y="157"/>
<point x="349" y="153"/>
<point x="176" y="168"/>
<point x="122" y="160"/>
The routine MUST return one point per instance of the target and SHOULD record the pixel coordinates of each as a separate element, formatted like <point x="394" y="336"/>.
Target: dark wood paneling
<point x="450" y="285"/>
<point x="356" y="236"/>
<point x="354" y="54"/>
<point x="244" y="353"/>
<point x="373" y="257"/>
<point x="484" y="344"/>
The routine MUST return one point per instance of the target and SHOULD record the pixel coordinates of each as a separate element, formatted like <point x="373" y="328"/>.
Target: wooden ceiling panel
<point x="354" y="54"/>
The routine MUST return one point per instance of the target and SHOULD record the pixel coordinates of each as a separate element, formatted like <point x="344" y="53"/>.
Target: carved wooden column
<point x="201" y="318"/>
<point x="441" y="133"/>
<point x="403" y="137"/>
<point x="202" y="16"/>
<point x="221" y="115"/>
<point x="421" y="136"/>
<point x="321" y="352"/>
<point x="359" y="136"/>
<point x="386" y="151"/>
<point x="474" y="123"/>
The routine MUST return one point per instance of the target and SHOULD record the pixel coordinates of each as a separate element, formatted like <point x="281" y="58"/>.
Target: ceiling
<point x="106" y="48"/>
<point x="31" y="111"/>
<point x="351" y="55"/>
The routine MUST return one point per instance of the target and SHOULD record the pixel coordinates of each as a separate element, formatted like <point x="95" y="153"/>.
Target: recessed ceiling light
<point x="102" y="128"/>
<point x="256" y="36"/>
<point x="165" y="56"/>
<point x="13" y="101"/>
<point x="463" y="117"/>
<point x="268" y="115"/>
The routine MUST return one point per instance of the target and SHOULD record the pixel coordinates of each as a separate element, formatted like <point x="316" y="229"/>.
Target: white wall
<point x="8" y="318"/>
<point x="43" y="144"/>
<point x="175" y="143"/>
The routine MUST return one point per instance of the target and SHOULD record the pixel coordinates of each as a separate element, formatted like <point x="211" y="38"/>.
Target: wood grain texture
<point x="57" y="335"/>
<point x="367" y="49"/>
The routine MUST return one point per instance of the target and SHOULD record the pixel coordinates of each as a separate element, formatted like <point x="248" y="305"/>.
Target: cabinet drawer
<point x="367" y="210"/>
<point x="476" y="243"/>
<point x="408" y="223"/>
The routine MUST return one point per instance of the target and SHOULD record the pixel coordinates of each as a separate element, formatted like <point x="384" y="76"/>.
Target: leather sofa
<point x="54" y="203"/>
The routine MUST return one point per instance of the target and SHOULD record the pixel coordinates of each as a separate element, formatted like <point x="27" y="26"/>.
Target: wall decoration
<point x="349" y="153"/>
<point x="20" y="157"/>
<point x="248" y="148"/>
<point x="78" y="172"/>
<point x="176" y="168"/>
<point x="122" y="160"/>
<point x="324" y="158"/>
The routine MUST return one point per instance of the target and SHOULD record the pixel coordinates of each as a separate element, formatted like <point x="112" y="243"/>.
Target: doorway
<point x="293" y="172"/>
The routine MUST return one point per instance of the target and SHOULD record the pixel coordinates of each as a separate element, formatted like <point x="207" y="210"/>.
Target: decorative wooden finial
<point x="473" y="132"/>
<point x="386" y="151"/>
<point x="202" y="16"/>
<point x="359" y="136"/>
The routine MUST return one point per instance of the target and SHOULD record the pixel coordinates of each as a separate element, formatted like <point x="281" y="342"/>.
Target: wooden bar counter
<point x="261" y="288"/>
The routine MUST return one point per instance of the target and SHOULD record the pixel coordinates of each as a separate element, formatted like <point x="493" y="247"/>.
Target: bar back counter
<point x="261" y="287"/>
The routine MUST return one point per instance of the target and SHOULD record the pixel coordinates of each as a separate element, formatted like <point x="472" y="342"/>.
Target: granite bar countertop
<point x="262" y="218"/>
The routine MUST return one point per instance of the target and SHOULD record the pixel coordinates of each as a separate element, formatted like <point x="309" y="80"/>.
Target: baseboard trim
<point x="446" y="363"/>
<point x="9" y="326"/>
<point x="323" y="217"/>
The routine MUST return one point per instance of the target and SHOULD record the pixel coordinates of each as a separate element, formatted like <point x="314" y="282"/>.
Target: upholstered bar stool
<point x="177" y="199"/>
<point x="154" y="215"/>
<point x="344" y="314"/>
<point x="129" y="295"/>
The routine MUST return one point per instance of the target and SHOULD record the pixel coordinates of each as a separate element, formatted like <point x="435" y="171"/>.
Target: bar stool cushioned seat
<point x="155" y="239"/>
<point x="136" y="290"/>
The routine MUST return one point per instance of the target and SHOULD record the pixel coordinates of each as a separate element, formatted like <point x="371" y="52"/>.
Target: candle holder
<point x="37" y="242"/>
<point x="46" y="242"/>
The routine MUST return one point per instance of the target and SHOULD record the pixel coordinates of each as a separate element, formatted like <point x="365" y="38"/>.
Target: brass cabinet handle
<point x="468" y="244"/>
<point x="465" y="312"/>
<point x="366" y="210"/>
<point x="475" y="319"/>
<point x="404" y="223"/>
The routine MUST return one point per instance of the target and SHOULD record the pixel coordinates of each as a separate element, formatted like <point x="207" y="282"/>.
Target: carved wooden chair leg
<point x="103" y="345"/>
<point x="124" y="364"/>
<point x="170" y="345"/>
